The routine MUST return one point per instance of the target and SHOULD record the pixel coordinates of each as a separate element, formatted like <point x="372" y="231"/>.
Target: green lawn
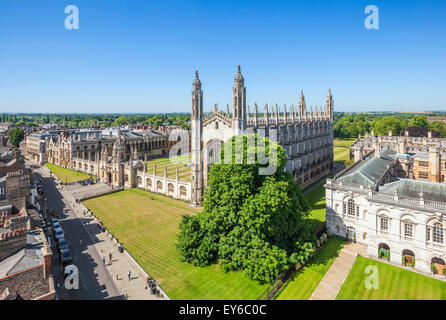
<point x="171" y="163"/>
<point x="344" y="142"/>
<point x="316" y="198"/>
<point x="305" y="280"/>
<point x="342" y="150"/>
<point x="342" y="154"/>
<point x="67" y="175"/>
<point x="394" y="284"/>
<point x="148" y="228"/>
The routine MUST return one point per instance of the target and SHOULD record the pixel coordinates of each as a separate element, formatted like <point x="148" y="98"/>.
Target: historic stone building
<point x="384" y="201"/>
<point x="421" y="158"/>
<point x="106" y="154"/>
<point x="307" y="137"/>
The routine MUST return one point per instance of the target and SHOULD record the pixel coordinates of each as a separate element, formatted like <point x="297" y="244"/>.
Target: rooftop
<point x="368" y="171"/>
<point x="414" y="188"/>
<point x="26" y="258"/>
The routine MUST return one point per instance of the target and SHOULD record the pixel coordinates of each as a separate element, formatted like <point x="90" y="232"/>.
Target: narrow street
<point x="95" y="282"/>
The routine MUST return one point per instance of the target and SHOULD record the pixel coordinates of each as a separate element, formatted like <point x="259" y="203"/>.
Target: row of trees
<point x="345" y="125"/>
<point x="89" y="120"/>
<point x="350" y="125"/>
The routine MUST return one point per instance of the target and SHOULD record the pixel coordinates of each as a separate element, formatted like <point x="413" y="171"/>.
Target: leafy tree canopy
<point x="419" y="121"/>
<point x="383" y="125"/>
<point x="249" y="222"/>
<point x="16" y="135"/>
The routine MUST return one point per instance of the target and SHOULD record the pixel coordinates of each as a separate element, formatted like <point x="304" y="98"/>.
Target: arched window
<point x="216" y="125"/>
<point x="351" y="207"/>
<point x="437" y="233"/>
<point x="351" y="233"/>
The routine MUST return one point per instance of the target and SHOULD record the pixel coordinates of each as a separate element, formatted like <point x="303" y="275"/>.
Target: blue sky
<point x="140" y="56"/>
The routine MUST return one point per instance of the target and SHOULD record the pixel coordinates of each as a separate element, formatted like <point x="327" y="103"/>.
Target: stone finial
<point x="196" y="81"/>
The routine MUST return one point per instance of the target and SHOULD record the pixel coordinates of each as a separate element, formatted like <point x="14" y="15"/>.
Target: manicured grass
<point x="305" y="280"/>
<point x="344" y="142"/>
<point x="342" y="154"/>
<point x="148" y="229"/>
<point x="342" y="150"/>
<point x="316" y="198"/>
<point x="172" y="163"/>
<point x="67" y="175"/>
<point x="394" y="284"/>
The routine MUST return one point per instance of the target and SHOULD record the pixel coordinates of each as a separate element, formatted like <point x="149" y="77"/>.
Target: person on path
<point x="80" y="241"/>
<point x="110" y="257"/>
<point x="103" y="260"/>
<point x="129" y="274"/>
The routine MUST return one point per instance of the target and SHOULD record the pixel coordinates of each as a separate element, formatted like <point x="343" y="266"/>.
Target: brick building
<point x="25" y="266"/>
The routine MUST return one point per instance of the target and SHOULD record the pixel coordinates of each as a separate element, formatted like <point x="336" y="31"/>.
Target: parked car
<point x="65" y="258"/>
<point x="58" y="233"/>
<point x="62" y="244"/>
<point x="55" y="220"/>
<point x="42" y="223"/>
<point x="56" y="225"/>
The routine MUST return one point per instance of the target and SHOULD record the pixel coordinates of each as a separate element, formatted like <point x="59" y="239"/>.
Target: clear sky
<point x="140" y="56"/>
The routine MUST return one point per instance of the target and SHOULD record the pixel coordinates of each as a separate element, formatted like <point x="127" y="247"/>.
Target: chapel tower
<point x="239" y="104"/>
<point x="196" y="143"/>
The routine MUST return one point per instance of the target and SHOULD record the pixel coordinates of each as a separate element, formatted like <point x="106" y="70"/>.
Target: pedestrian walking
<point x="110" y="257"/>
<point x="80" y="241"/>
<point x="129" y="274"/>
<point x="103" y="260"/>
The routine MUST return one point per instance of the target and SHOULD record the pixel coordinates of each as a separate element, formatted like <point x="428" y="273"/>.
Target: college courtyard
<point x="146" y="224"/>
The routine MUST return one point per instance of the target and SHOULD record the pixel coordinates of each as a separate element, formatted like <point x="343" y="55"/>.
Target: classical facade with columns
<point x="307" y="136"/>
<point x="386" y="202"/>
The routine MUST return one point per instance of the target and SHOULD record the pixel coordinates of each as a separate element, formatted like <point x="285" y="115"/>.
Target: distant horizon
<point x="180" y="112"/>
<point x="141" y="56"/>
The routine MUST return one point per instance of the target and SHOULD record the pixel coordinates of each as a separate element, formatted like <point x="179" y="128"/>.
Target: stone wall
<point x="11" y="242"/>
<point x="29" y="284"/>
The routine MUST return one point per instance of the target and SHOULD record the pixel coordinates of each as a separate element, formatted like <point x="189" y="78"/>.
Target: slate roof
<point x="28" y="257"/>
<point x="432" y="191"/>
<point x="370" y="169"/>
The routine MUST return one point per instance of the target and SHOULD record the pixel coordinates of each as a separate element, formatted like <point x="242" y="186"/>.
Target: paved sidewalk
<point x="136" y="288"/>
<point x="332" y="282"/>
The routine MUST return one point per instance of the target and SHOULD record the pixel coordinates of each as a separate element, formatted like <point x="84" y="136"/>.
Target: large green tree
<point x="251" y="222"/>
<point x="439" y="126"/>
<point x="16" y="135"/>
<point x="419" y="121"/>
<point x="384" y="124"/>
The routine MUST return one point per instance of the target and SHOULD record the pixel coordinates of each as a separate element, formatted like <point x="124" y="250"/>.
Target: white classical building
<point x="399" y="219"/>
